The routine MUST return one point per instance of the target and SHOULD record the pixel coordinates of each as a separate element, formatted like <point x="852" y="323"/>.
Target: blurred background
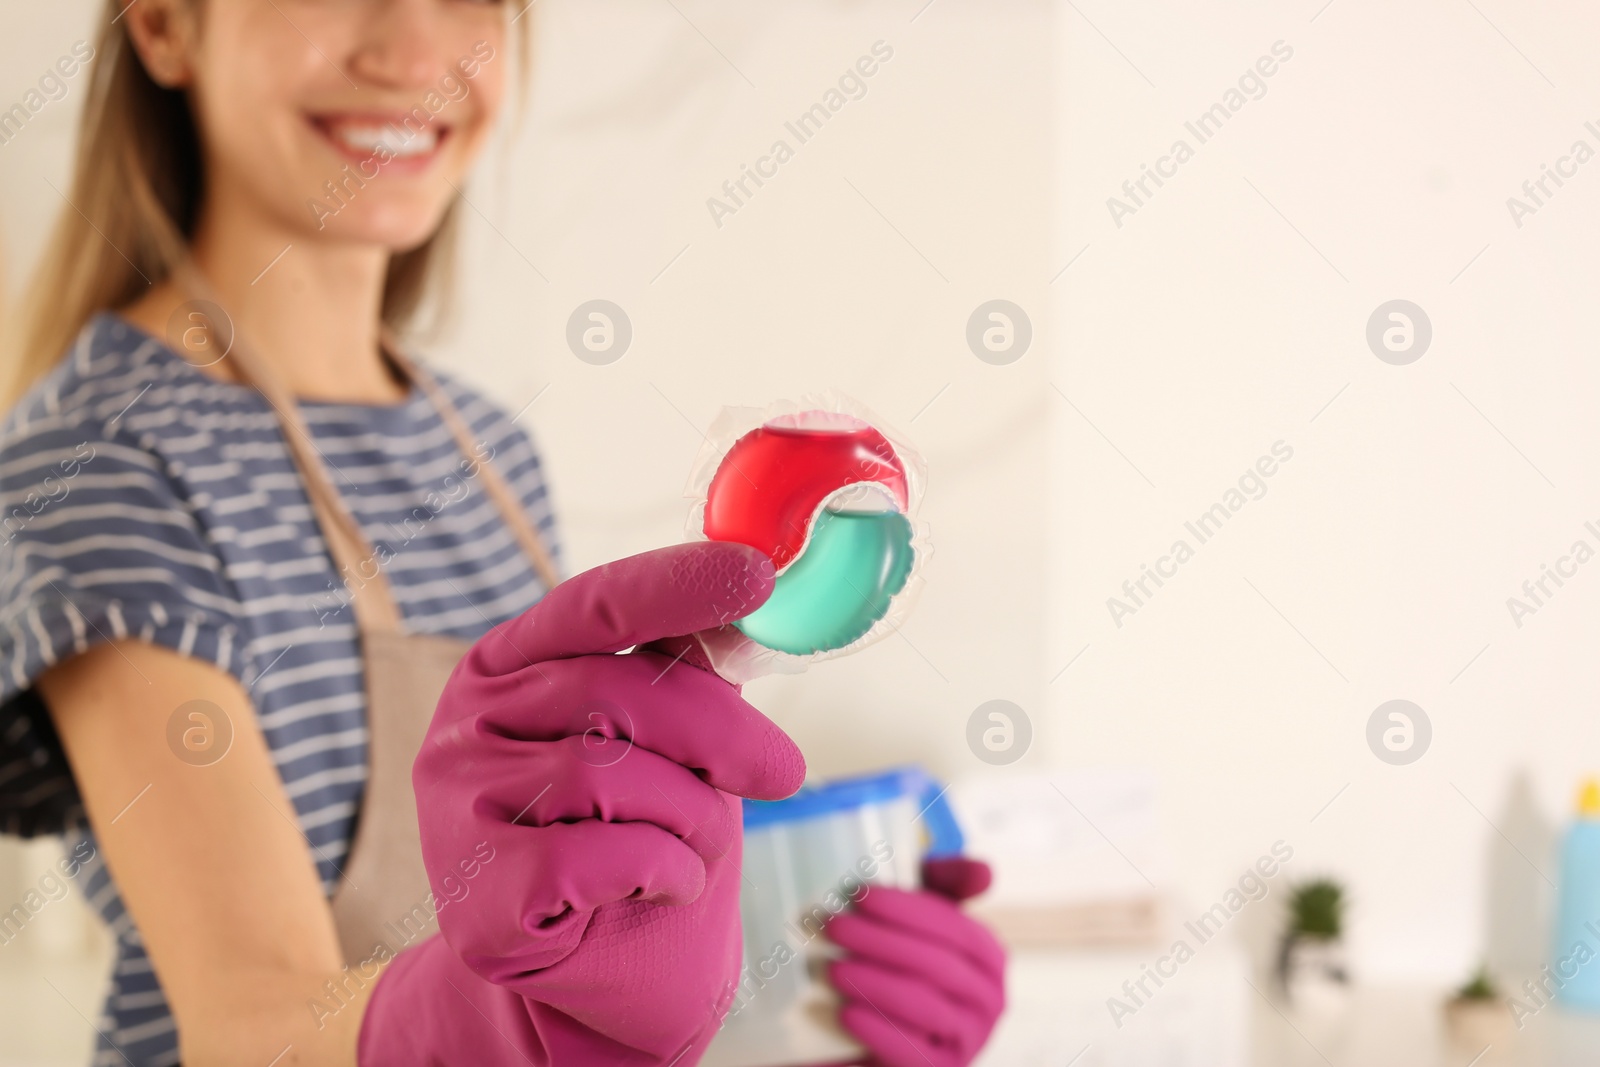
<point x="1274" y="291"/>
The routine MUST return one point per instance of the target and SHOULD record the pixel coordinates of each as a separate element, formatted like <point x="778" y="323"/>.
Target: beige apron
<point x="383" y="896"/>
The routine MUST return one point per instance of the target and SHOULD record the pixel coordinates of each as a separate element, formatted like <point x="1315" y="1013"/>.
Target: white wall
<point x="1224" y="316"/>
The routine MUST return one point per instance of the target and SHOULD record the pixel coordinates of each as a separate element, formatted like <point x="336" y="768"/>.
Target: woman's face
<point x="344" y="120"/>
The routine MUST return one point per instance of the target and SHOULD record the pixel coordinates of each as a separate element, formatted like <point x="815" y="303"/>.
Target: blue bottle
<point x="1575" y="961"/>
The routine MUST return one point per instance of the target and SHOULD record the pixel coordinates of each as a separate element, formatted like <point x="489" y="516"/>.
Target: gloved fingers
<point x="935" y="918"/>
<point x="956" y="877"/>
<point x="573" y="779"/>
<point x="428" y="1005"/>
<point x="952" y="971"/>
<point x="686" y="651"/>
<point x="664" y="593"/>
<point x="530" y="914"/>
<point x="692" y="718"/>
<point x="893" y="1045"/>
<point x="912" y="1003"/>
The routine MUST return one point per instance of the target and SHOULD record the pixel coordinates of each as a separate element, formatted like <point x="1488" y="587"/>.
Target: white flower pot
<point x="1474" y="1024"/>
<point x="1316" y="982"/>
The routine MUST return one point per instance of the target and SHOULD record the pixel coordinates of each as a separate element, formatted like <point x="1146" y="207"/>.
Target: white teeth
<point x="399" y="143"/>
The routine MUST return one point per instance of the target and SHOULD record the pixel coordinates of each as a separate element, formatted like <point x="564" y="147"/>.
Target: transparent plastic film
<point x="830" y="493"/>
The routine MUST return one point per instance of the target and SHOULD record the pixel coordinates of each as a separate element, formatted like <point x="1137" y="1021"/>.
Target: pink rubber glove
<point x="923" y="984"/>
<point x="606" y="929"/>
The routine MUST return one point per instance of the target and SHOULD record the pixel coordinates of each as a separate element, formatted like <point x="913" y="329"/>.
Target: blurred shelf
<point x="1403" y="1026"/>
<point x="1058" y="1012"/>
<point x="1210" y="1014"/>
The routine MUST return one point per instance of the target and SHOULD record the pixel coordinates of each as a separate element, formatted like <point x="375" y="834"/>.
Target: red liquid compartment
<point x="770" y="484"/>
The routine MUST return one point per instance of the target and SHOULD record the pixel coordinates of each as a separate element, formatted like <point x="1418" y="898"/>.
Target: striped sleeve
<point x="95" y="545"/>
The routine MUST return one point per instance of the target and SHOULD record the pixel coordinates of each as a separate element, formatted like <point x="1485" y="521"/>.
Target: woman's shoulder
<point x="491" y="421"/>
<point x="475" y="404"/>
<point x="79" y="406"/>
<point x="99" y="442"/>
<point x="88" y="393"/>
<point x="96" y="535"/>
<point x="116" y="390"/>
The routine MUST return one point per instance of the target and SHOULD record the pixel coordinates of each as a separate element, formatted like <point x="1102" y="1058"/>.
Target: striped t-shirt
<point x="141" y="498"/>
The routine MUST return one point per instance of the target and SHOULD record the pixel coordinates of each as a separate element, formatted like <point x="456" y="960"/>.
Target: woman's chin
<point x="397" y="228"/>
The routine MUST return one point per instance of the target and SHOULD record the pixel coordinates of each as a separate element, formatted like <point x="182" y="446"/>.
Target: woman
<point x="247" y="539"/>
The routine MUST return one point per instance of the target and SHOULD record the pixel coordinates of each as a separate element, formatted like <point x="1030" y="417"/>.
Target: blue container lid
<point x="851" y="794"/>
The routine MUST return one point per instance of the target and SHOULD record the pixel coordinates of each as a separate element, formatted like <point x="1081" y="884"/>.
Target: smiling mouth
<point x="362" y="137"/>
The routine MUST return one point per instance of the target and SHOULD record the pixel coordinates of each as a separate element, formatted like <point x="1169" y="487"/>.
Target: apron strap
<point x="352" y="553"/>
<point x="494" y="484"/>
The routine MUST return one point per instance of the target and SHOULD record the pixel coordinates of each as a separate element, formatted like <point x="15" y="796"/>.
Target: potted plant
<point x="1478" y="1015"/>
<point x="1311" y="959"/>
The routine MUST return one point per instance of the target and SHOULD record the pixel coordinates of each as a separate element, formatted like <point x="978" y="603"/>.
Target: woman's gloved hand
<point x="922" y="984"/>
<point x="606" y="930"/>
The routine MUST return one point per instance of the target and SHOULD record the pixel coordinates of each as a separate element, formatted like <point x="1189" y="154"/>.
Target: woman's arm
<point x="209" y="860"/>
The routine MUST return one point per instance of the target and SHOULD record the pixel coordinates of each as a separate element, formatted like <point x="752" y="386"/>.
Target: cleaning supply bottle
<point x="1575" y="960"/>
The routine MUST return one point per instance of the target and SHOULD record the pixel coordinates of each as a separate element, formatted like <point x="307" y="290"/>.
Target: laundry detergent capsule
<point x="828" y="497"/>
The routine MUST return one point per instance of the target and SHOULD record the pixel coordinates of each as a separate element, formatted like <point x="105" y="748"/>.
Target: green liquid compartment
<point x="839" y="586"/>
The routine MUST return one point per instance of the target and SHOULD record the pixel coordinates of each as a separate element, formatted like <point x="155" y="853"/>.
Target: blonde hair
<point x="133" y="200"/>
